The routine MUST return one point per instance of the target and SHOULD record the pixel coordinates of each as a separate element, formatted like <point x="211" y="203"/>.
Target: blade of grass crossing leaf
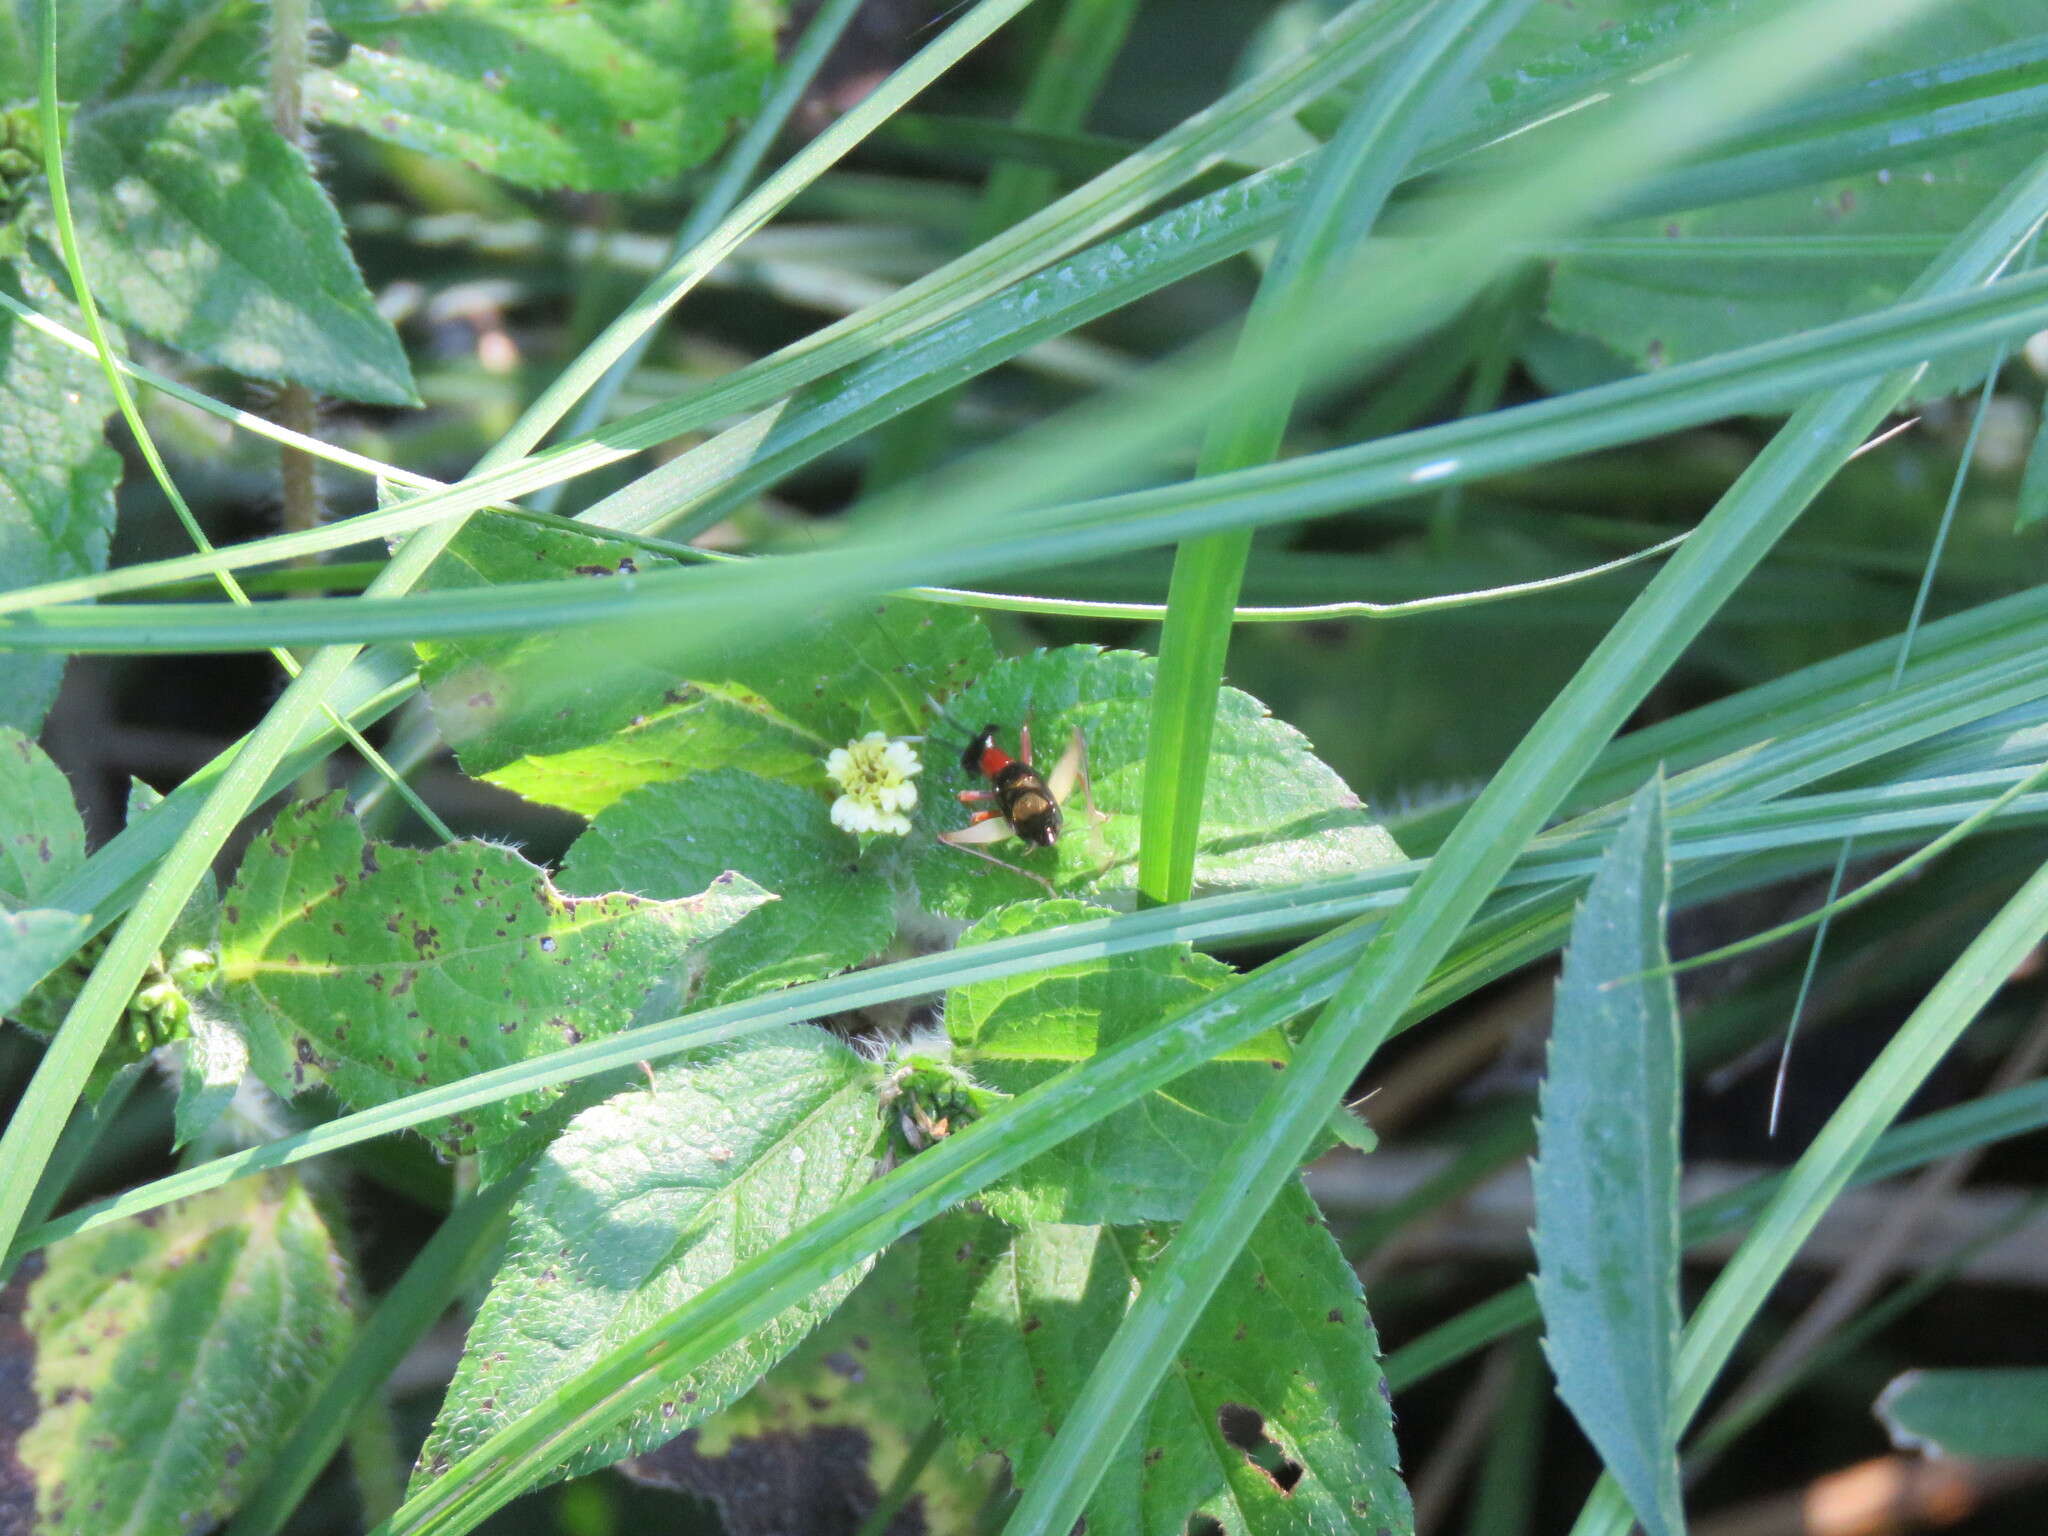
<point x="453" y="1259"/>
<point x="739" y="166"/>
<point x="1409" y="945"/>
<point x="1606" y="1174"/>
<point x="1827" y="1166"/>
<point x="1347" y="188"/>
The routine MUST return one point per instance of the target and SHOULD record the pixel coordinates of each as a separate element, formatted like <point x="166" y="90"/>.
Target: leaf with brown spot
<point x="292" y="979"/>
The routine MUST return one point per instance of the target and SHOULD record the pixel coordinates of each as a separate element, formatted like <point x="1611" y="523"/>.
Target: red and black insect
<point x="1027" y="803"/>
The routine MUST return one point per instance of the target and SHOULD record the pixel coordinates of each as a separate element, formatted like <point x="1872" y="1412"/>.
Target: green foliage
<point x="1606" y="1173"/>
<point x="156" y="1358"/>
<point x="1986" y="1414"/>
<point x="204" y="229"/>
<point x="669" y="839"/>
<point x="377" y="970"/>
<point x="1273" y="1420"/>
<point x="1143" y="1162"/>
<point x="57" y="497"/>
<point x="42" y="839"/>
<point x="32" y="944"/>
<point x="774" y="707"/>
<point x="647" y="1198"/>
<point x="607" y="96"/>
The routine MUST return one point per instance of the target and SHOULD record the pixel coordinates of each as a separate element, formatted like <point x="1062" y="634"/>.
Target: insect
<point x="1027" y="803"/>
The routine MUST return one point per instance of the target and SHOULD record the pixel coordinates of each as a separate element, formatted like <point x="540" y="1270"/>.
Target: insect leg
<point x="989" y="827"/>
<point x="969" y="796"/>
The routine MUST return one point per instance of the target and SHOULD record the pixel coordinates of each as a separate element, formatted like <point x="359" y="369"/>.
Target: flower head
<point x="873" y="775"/>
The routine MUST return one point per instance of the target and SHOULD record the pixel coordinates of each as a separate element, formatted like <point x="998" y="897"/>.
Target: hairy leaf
<point x="1144" y="1162"/>
<point x="151" y="1362"/>
<point x="643" y="1201"/>
<point x="669" y="839"/>
<point x="42" y="839"/>
<point x="812" y="1447"/>
<point x="1274" y="1418"/>
<point x="205" y="229"/>
<point x="1607" y="1244"/>
<point x="1271" y="812"/>
<point x="216" y="1061"/>
<point x="57" y="488"/>
<point x="604" y="95"/>
<point x="774" y="709"/>
<point x="379" y="970"/>
<point x="1990" y="1414"/>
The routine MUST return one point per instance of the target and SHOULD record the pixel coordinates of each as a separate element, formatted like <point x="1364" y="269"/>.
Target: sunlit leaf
<point x="42" y="839"/>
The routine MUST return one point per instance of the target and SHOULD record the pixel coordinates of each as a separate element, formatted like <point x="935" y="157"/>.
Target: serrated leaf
<point x="645" y="1200"/>
<point x="1606" y="1235"/>
<point x="605" y="95"/>
<point x="42" y="838"/>
<point x="32" y="944"/>
<point x="774" y="709"/>
<point x="826" y="1430"/>
<point x="380" y="970"/>
<point x="1274" y="1418"/>
<point x="1146" y="1161"/>
<point x="155" y="1359"/>
<point x="1681" y="286"/>
<point x="669" y="839"/>
<point x="206" y="230"/>
<point x="57" y="496"/>
<point x="1988" y="1414"/>
<point x="1271" y="812"/>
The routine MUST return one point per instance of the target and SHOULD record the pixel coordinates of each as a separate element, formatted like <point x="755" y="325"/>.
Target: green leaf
<point x="203" y="228"/>
<point x="606" y="95"/>
<point x="1987" y="1414"/>
<point x="57" y="496"/>
<point x="1273" y="1420"/>
<point x="2031" y="504"/>
<point x="831" y="1426"/>
<point x="89" y="34"/>
<point x="153" y="1359"/>
<point x="668" y="840"/>
<point x="1606" y="1236"/>
<point x="216" y="1061"/>
<point x="774" y="708"/>
<point x="42" y="838"/>
<point x="1145" y="1161"/>
<point x="645" y="1200"/>
<point x="32" y="944"/>
<point x="1271" y="813"/>
<point x="379" y="970"/>
<point x="184" y="41"/>
<point x="1684" y="285"/>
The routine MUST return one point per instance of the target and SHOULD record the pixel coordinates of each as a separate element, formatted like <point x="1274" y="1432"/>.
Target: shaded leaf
<point x="89" y="33"/>
<point x="380" y="970"/>
<point x="216" y="1061"/>
<point x="774" y="709"/>
<point x="57" y="495"/>
<point x="604" y="95"/>
<point x="32" y="944"/>
<point x="1606" y="1175"/>
<point x="42" y="838"/>
<point x="156" y="1357"/>
<point x="1148" y="1160"/>
<point x="205" y="229"/>
<point x="1271" y="812"/>
<point x="1272" y="1419"/>
<point x="815" y="1442"/>
<point x="1986" y="1414"/>
<point x="645" y="1200"/>
<point x="669" y="839"/>
<point x="2031" y="505"/>
<point x="220" y="41"/>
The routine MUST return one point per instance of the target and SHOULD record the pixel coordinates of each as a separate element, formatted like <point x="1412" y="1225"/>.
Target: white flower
<point x="874" y="774"/>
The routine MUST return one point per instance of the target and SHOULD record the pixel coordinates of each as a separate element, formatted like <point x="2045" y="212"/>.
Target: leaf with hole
<point x="1606" y="1174"/>
<point x="150" y="1361"/>
<point x="378" y="970"/>
<point x="1273" y="1419"/>
<point x="666" y="840"/>
<point x="606" y="95"/>
<point x="646" y="1199"/>
<point x="204" y="229"/>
